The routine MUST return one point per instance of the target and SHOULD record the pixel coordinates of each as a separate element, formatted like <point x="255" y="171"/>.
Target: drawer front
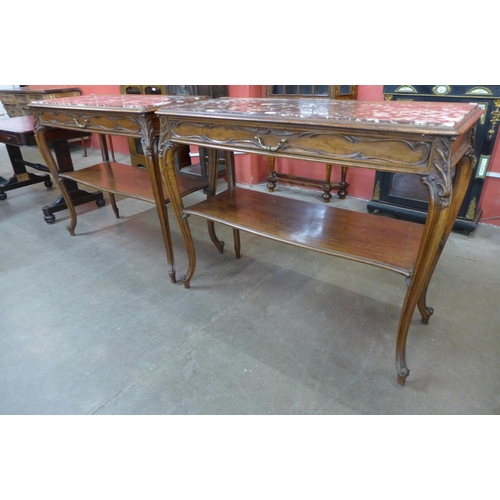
<point x="13" y="110"/>
<point x="9" y="98"/>
<point x="23" y="99"/>
<point x="89" y="121"/>
<point x="328" y="146"/>
<point x="8" y="138"/>
<point x="56" y="95"/>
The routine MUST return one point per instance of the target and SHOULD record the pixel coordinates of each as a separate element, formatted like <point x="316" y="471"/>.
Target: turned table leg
<point x="271" y="176"/>
<point x="327" y="187"/>
<point x="343" y="184"/>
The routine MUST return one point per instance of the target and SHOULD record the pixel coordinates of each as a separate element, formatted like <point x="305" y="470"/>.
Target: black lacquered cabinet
<point x="403" y="195"/>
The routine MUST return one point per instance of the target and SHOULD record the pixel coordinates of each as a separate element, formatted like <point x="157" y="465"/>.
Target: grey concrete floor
<point x="91" y="324"/>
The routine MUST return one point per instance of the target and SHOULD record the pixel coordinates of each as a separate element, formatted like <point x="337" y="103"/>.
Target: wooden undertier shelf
<point x="388" y="243"/>
<point x="126" y="180"/>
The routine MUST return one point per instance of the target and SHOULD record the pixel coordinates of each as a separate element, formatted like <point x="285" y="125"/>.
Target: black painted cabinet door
<point x="403" y="195"/>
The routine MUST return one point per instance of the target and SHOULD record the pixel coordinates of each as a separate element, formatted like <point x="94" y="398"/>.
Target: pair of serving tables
<point x="431" y="140"/>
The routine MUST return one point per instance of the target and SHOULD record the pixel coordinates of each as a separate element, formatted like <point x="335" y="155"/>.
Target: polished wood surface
<point x="317" y="91"/>
<point x="124" y="115"/>
<point x="329" y="230"/>
<point x="431" y="140"/>
<point x="126" y="180"/>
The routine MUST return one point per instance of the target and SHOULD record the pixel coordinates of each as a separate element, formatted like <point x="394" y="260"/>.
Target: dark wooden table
<point x="18" y="132"/>
<point x="123" y="115"/>
<point x="430" y="140"/>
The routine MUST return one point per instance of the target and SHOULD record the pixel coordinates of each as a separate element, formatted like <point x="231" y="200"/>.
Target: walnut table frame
<point x="433" y="140"/>
<point x="123" y="115"/>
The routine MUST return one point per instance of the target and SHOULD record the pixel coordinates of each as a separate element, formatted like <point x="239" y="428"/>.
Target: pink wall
<point x="252" y="169"/>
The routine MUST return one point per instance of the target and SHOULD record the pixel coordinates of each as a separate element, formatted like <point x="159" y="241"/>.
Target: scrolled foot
<point x="403" y="372"/>
<point x="187" y="282"/>
<point x="49" y="219"/>
<point x="219" y="244"/>
<point x="3" y="196"/>
<point x="426" y="314"/>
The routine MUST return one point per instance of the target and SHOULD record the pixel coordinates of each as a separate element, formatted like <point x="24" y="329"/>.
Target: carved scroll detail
<point x="300" y="142"/>
<point x="164" y="144"/>
<point x="147" y="134"/>
<point x="111" y="124"/>
<point x="424" y="147"/>
<point x="438" y="182"/>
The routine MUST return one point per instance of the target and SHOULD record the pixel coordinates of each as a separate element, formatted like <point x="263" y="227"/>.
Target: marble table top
<point x="118" y="101"/>
<point x="329" y="111"/>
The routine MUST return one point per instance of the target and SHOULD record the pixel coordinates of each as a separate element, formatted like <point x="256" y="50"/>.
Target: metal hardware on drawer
<point x="85" y="122"/>
<point x="270" y="148"/>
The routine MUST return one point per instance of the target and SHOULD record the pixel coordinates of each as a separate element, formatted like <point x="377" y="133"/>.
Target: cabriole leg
<point x="213" y="157"/>
<point x="41" y="140"/>
<point x="167" y="167"/>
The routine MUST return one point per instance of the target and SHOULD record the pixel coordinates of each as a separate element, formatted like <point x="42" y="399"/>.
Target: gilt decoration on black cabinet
<point x="401" y="195"/>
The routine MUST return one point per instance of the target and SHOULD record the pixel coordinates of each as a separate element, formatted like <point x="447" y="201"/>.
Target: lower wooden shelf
<point x="387" y="243"/>
<point x="127" y="180"/>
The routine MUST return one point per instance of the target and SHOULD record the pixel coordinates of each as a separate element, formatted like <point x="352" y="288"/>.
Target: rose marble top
<point x="118" y="101"/>
<point x="329" y="111"/>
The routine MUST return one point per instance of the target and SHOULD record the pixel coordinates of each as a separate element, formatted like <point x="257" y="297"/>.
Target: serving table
<point x="18" y="132"/>
<point x="431" y="140"/>
<point x="123" y="115"/>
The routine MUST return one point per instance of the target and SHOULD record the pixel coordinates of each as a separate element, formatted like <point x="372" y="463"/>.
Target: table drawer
<point x="90" y="121"/>
<point x="7" y="138"/>
<point x="361" y="149"/>
<point x="9" y="98"/>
